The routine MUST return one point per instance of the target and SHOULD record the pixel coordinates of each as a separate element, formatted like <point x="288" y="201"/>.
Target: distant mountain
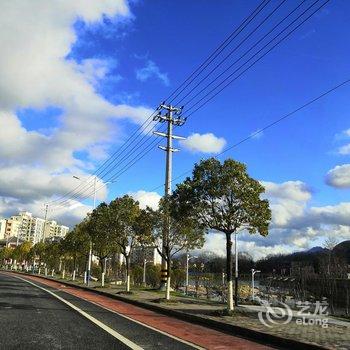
<point x="316" y="250"/>
<point x="343" y="249"/>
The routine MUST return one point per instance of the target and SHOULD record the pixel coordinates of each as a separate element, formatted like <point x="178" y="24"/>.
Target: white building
<point x="2" y="228"/>
<point x="27" y="227"/>
<point x="52" y="229"/>
<point x="150" y="254"/>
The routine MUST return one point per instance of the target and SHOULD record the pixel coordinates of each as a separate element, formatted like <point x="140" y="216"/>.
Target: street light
<point x="253" y="274"/>
<point x="144" y="272"/>
<point x="188" y="258"/>
<point x="88" y="275"/>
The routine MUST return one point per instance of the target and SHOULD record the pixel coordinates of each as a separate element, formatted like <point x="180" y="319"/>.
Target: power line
<point x="103" y="168"/>
<point x="253" y="56"/>
<point x="219" y="49"/>
<point x="233" y="50"/>
<point x="87" y="191"/>
<point x="270" y="125"/>
<point x="141" y="154"/>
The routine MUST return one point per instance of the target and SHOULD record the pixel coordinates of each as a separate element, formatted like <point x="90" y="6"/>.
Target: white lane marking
<point x="144" y="325"/>
<point x="109" y="330"/>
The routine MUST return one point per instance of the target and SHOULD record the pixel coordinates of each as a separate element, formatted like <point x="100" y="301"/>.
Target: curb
<point x="249" y="334"/>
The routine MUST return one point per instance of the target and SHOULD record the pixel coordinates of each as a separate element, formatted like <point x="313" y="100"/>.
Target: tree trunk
<point x="74" y="267"/>
<point x="127" y="262"/>
<point x="229" y="272"/>
<point x="167" y="294"/>
<point x="103" y="272"/>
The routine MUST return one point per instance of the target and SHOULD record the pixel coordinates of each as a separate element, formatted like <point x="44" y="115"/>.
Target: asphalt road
<point x="34" y="318"/>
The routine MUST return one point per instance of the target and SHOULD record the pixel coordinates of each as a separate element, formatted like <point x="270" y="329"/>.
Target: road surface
<point x="38" y="314"/>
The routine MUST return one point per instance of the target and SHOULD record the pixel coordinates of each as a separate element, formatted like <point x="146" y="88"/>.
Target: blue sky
<point x="307" y="64"/>
<point x="137" y="53"/>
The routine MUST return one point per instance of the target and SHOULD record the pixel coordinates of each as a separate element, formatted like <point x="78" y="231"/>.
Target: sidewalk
<point x="335" y="336"/>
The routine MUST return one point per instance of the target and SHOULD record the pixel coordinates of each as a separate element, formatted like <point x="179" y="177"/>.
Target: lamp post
<point x="188" y="258"/>
<point x="88" y="272"/>
<point x="88" y="275"/>
<point x="253" y="274"/>
<point x="144" y="272"/>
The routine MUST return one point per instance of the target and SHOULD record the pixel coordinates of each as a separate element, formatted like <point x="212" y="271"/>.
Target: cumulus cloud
<point x="96" y="69"/>
<point x="287" y="200"/>
<point x="69" y="215"/>
<point x="339" y="176"/>
<point x="291" y="190"/>
<point x="38" y="72"/>
<point x="151" y="70"/>
<point x="146" y="199"/>
<point x="205" y="143"/>
<point x="216" y="242"/>
<point x="343" y="134"/>
<point x="34" y="183"/>
<point x="344" y="150"/>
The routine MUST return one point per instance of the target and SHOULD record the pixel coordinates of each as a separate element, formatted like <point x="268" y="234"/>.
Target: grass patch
<point x="227" y="312"/>
<point x="165" y="301"/>
<point x="124" y="292"/>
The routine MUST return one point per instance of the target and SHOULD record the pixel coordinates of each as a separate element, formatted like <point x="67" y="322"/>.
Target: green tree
<point x="38" y="252"/>
<point x="22" y="252"/>
<point x="5" y="254"/>
<point x="76" y="244"/>
<point x="131" y="227"/>
<point x="52" y="255"/>
<point x="182" y="233"/>
<point x="224" y="198"/>
<point x="101" y="232"/>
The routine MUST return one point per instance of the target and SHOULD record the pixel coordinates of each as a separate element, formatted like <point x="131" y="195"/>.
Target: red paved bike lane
<point x="199" y="335"/>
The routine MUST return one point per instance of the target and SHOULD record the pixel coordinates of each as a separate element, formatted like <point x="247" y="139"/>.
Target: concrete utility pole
<point x="45" y="220"/>
<point x="168" y="118"/>
<point x="236" y="271"/>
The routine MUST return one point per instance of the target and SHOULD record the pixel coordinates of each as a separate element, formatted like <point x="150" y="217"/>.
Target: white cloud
<point x="150" y="199"/>
<point x="205" y="143"/>
<point x="287" y="200"/>
<point x="295" y="226"/>
<point x="36" y="74"/>
<point x="344" y="150"/>
<point x="151" y="70"/>
<point x="339" y="176"/>
<point x="66" y="215"/>
<point x="34" y="183"/>
<point x="343" y="135"/>
<point x="291" y="190"/>
<point x="95" y="70"/>
<point x="216" y="242"/>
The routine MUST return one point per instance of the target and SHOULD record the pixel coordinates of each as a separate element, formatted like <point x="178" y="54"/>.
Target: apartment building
<point x="2" y="228"/>
<point x="27" y="227"/>
<point x="150" y="254"/>
<point x="52" y="229"/>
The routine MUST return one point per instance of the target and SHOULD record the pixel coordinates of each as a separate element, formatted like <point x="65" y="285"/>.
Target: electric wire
<point x="254" y="55"/>
<point x="268" y="126"/>
<point x="150" y="147"/>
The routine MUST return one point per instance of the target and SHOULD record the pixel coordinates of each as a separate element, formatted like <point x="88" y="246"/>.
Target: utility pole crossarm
<point x="166" y="149"/>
